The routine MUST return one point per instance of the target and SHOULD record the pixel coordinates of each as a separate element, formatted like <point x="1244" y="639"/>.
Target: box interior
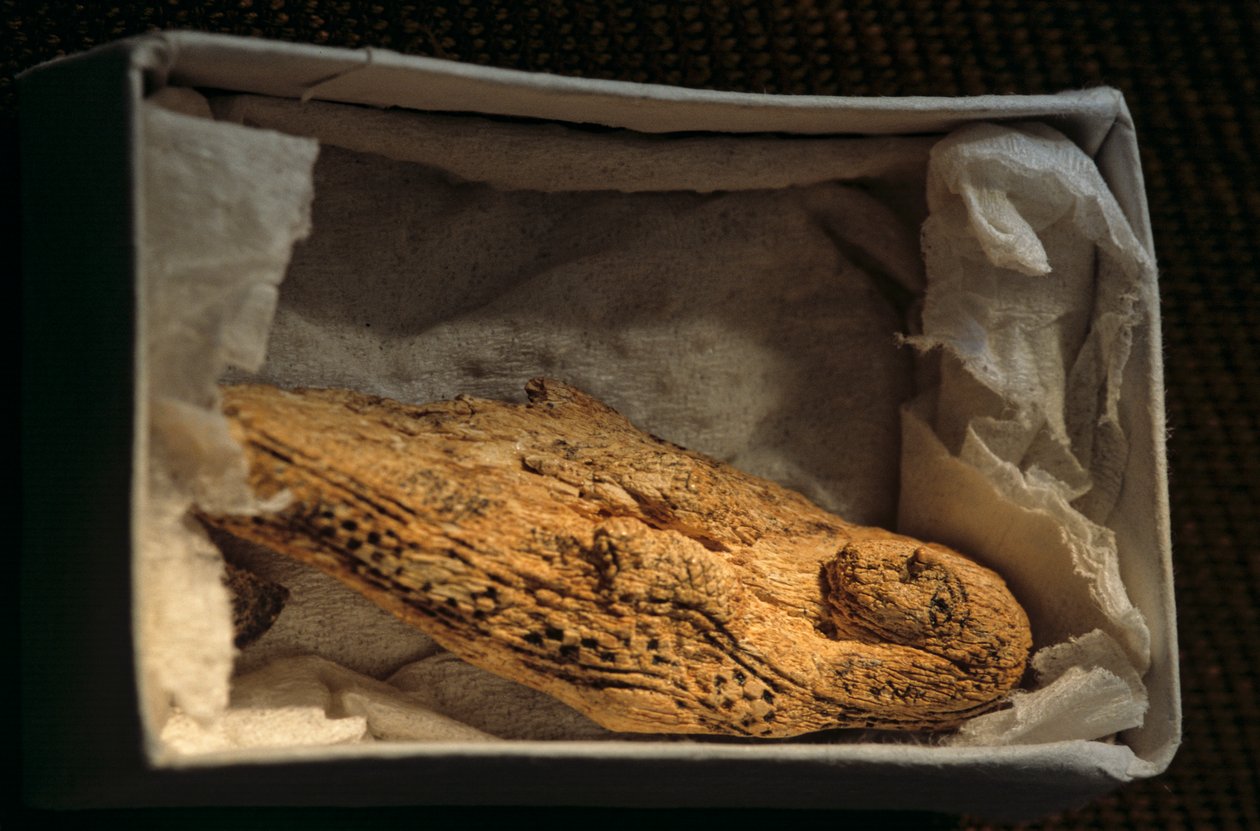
<point x="756" y="309"/>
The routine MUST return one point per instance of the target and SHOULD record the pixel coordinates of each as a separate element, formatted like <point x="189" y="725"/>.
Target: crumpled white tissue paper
<point x="1014" y="451"/>
<point x="222" y="207"/>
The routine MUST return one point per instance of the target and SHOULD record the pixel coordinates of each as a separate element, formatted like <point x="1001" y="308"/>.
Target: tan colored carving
<point x="650" y="587"/>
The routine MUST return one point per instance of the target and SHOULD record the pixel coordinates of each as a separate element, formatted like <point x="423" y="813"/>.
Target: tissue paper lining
<point x="1035" y="286"/>
<point x="222" y="207"/>
<point x="435" y="271"/>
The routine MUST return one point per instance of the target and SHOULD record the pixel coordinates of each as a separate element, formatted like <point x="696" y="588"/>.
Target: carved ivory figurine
<point x="649" y="587"/>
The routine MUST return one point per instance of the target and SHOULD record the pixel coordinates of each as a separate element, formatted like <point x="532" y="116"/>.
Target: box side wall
<point x="1141" y="518"/>
<point x="80" y="720"/>
<point x="1006" y="783"/>
<point x="382" y="78"/>
<point x="286" y="70"/>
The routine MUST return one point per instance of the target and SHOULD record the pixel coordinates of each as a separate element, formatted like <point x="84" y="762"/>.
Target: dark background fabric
<point x="1191" y="75"/>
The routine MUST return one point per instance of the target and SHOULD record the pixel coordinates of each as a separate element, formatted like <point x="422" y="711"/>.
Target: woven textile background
<point x="1191" y="74"/>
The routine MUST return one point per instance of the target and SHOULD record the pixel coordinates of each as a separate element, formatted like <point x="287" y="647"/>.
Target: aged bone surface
<point x="649" y="587"/>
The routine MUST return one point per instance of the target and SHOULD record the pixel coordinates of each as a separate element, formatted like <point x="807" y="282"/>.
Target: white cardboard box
<point x="85" y="739"/>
